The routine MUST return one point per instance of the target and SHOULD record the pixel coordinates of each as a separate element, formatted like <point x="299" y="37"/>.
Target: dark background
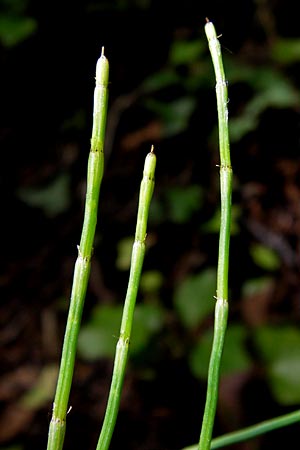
<point x="47" y="82"/>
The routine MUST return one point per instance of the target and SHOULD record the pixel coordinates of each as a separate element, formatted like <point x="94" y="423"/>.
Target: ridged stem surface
<point x="82" y="266"/>
<point x="221" y="307"/>
<point x="137" y="258"/>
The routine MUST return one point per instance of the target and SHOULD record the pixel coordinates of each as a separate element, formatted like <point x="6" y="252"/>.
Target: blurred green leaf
<point x="264" y="257"/>
<point x="213" y="224"/>
<point x="259" y="78"/>
<point x="183" y="202"/>
<point x="286" y="51"/>
<point x="43" y="390"/>
<point x="256" y="286"/>
<point x="148" y="320"/>
<point x="279" y="349"/>
<point x="235" y="356"/>
<point x="186" y="52"/>
<point x="151" y="282"/>
<point x="242" y="125"/>
<point x="98" y="338"/>
<point x="272" y="90"/>
<point x="157" y="211"/>
<point x="53" y="199"/>
<point x="95" y="342"/>
<point x="15" y="29"/>
<point x="159" y="80"/>
<point x="175" y="115"/>
<point x="176" y="204"/>
<point x="124" y="250"/>
<point x="200" y="354"/>
<point x="76" y="121"/>
<point x="194" y="297"/>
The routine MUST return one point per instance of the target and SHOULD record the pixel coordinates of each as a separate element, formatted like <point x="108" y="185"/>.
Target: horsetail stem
<point x="137" y="258"/>
<point x="82" y="266"/>
<point x="221" y="308"/>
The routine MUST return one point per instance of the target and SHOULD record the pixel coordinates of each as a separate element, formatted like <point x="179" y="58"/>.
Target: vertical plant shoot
<point x="82" y="266"/>
<point x="137" y="259"/>
<point x="221" y="308"/>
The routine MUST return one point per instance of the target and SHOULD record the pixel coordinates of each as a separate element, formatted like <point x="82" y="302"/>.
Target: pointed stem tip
<point x="102" y="51"/>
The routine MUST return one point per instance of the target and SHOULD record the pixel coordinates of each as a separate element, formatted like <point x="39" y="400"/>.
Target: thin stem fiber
<point x="252" y="431"/>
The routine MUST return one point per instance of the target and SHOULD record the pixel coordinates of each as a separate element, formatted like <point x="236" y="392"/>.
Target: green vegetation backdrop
<point x="162" y="93"/>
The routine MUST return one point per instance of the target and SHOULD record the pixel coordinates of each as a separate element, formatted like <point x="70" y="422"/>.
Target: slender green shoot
<point x="221" y="308"/>
<point x="137" y="258"/>
<point x="82" y="266"/>
<point x="253" y="431"/>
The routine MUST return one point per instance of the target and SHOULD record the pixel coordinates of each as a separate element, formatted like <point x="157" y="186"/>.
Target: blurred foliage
<point x="98" y="338"/>
<point x="188" y="73"/>
<point x="124" y="249"/>
<point x="271" y="89"/>
<point x="269" y="85"/>
<point x="254" y="286"/>
<point x="181" y="203"/>
<point x="194" y="297"/>
<point x="186" y="52"/>
<point x="176" y="204"/>
<point x="175" y="115"/>
<point x="265" y="257"/>
<point x="172" y="95"/>
<point x="235" y="357"/>
<point x="53" y="198"/>
<point x="213" y="225"/>
<point x="185" y="56"/>
<point x="286" y="51"/>
<point x="151" y="282"/>
<point x="278" y="347"/>
<point x="15" y="29"/>
<point x="15" y="25"/>
<point x="44" y="389"/>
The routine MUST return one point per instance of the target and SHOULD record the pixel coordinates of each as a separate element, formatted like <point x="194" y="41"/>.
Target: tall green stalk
<point x="82" y="266"/>
<point x="221" y="308"/>
<point x="137" y="258"/>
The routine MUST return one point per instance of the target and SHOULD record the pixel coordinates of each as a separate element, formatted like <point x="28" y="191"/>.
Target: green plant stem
<point x="253" y="431"/>
<point x="137" y="258"/>
<point x="221" y="308"/>
<point x="82" y="266"/>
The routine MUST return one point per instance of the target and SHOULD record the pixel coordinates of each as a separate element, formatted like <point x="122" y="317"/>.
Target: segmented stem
<point x="82" y="266"/>
<point x="137" y="258"/>
<point x="221" y="308"/>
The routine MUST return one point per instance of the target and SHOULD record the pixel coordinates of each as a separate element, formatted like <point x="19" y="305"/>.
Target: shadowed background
<point x="161" y="93"/>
